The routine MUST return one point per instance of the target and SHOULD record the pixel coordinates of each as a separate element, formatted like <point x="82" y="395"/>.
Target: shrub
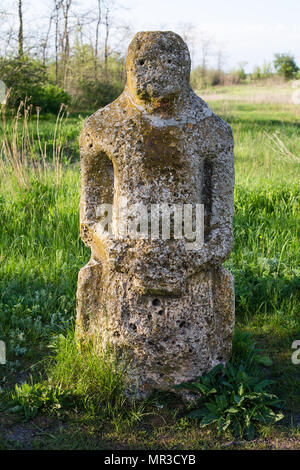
<point x="94" y="95"/>
<point x="244" y="351"/>
<point x="31" y="399"/>
<point x="286" y="66"/>
<point x="26" y="77"/>
<point x="234" y="400"/>
<point x="51" y="97"/>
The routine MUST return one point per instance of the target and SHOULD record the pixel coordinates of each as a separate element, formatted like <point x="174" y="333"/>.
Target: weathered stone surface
<point x="171" y="308"/>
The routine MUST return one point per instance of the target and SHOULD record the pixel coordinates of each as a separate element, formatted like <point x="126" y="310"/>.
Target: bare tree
<point x="76" y="42"/>
<point x="6" y="32"/>
<point x="107" y="27"/>
<point x="66" y="5"/>
<point x="220" y="59"/>
<point x="205" y="44"/>
<point x="20" y="35"/>
<point x="46" y="40"/>
<point x="109" y="6"/>
<point x="188" y="33"/>
<point x="97" y="38"/>
<point x="57" y="6"/>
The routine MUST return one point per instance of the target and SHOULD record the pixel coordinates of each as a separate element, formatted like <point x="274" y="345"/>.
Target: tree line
<point x="76" y="55"/>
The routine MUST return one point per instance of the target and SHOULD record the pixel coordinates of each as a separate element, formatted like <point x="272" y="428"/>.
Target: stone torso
<point x="151" y="153"/>
<point x="149" y="158"/>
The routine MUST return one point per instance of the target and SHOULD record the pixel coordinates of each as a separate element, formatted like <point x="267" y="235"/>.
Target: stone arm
<point x="220" y="237"/>
<point x="218" y="241"/>
<point x="96" y="180"/>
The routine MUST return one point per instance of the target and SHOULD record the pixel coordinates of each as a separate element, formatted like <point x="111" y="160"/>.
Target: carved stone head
<point x="158" y="66"/>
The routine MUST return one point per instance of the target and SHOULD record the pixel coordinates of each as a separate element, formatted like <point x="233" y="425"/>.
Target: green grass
<point x="95" y="375"/>
<point x="41" y="254"/>
<point x="89" y="378"/>
<point x="260" y="91"/>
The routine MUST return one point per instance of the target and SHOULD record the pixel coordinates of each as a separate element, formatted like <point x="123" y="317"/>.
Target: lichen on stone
<point x="158" y="143"/>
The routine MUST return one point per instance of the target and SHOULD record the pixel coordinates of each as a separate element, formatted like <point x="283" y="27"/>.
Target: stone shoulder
<point x="99" y="126"/>
<point x="217" y="132"/>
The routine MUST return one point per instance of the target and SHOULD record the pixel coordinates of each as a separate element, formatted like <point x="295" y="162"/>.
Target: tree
<point x="205" y="45"/>
<point x="57" y="6"/>
<point x="256" y="74"/>
<point x="267" y="70"/>
<point x="66" y="5"/>
<point x="109" y="5"/>
<point x="97" y="39"/>
<point x="20" y="37"/>
<point x="221" y="59"/>
<point x="241" y="70"/>
<point x="44" y="43"/>
<point x="24" y="77"/>
<point x="72" y="46"/>
<point x="286" y="66"/>
<point x="188" y="33"/>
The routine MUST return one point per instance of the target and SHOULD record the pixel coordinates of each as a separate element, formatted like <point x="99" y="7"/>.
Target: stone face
<point x="171" y="308"/>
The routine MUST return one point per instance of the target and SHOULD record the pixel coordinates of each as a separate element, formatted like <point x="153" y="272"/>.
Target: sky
<point x="249" y="32"/>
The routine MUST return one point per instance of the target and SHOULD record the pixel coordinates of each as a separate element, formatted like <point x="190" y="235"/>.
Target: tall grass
<point x="93" y="372"/>
<point x="280" y="147"/>
<point x="87" y="378"/>
<point x="24" y="151"/>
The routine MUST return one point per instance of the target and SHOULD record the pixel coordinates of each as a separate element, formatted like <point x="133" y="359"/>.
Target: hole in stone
<point x="149" y="317"/>
<point x="160" y="312"/>
<point x="116" y="333"/>
<point x="156" y="302"/>
<point x="109" y="179"/>
<point x="141" y="62"/>
<point x="181" y="324"/>
<point x="132" y="326"/>
<point x="91" y="145"/>
<point x="169" y="61"/>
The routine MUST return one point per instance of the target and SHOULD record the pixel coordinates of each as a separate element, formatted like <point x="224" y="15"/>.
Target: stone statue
<point x="170" y="307"/>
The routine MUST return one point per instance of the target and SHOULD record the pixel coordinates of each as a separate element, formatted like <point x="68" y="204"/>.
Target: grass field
<point x="41" y="254"/>
<point x="265" y="91"/>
